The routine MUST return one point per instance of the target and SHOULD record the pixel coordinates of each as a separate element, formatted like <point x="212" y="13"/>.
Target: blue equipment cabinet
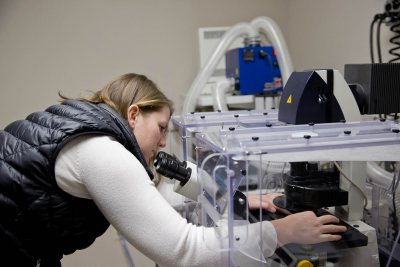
<point x="255" y="69"/>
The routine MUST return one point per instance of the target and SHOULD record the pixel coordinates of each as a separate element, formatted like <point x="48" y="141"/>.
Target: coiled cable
<point x="395" y="40"/>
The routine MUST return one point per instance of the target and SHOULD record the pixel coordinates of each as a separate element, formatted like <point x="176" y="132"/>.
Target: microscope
<point x="315" y="186"/>
<point x="320" y="113"/>
<point x="188" y="185"/>
<point x="183" y="172"/>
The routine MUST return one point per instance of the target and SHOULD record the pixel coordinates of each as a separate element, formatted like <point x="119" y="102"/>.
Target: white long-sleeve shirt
<point x="100" y="168"/>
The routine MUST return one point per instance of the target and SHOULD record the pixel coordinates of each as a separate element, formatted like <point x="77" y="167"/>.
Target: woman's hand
<point x="306" y="228"/>
<point x="264" y="201"/>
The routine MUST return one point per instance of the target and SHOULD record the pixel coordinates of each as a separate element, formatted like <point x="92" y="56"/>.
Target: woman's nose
<point x="163" y="141"/>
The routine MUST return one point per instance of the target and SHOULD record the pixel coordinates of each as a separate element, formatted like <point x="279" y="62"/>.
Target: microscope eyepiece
<point x="171" y="167"/>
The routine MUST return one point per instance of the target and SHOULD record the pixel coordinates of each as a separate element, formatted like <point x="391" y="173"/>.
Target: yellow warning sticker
<point x="289" y="100"/>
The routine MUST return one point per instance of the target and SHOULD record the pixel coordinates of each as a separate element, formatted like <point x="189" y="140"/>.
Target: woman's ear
<point x="132" y="114"/>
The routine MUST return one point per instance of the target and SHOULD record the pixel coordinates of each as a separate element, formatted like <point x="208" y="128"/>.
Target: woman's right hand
<point x="306" y="228"/>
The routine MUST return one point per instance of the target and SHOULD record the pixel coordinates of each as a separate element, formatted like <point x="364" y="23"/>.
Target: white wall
<point x="73" y="46"/>
<point x="330" y="34"/>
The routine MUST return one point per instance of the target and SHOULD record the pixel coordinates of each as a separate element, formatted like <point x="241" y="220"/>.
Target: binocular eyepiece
<point x="171" y="167"/>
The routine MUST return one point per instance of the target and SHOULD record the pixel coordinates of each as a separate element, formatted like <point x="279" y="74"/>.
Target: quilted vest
<point x="39" y="221"/>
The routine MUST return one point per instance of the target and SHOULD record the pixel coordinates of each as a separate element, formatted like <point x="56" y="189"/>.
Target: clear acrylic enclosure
<point x="241" y="156"/>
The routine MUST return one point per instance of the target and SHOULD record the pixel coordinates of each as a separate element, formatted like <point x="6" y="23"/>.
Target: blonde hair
<point x="129" y="89"/>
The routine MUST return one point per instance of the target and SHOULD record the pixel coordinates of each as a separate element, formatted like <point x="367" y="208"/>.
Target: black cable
<point x="377" y="18"/>
<point x="395" y="29"/>
<point x="371" y="37"/>
<point x="378" y="38"/>
<point x="395" y="221"/>
<point x="394" y="186"/>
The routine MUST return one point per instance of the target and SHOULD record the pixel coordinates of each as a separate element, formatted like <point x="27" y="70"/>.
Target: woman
<point x="68" y="172"/>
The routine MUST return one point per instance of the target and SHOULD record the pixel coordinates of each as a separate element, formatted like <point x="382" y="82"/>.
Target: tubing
<point x="379" y="175"/>
<point x="393" y="250"/>
<point x="274" y="35"/>
<point x="251" y="30"/>
<point x="125" y="248"/>
<point x="219" y="94"/>
<point x="238" y="30"/>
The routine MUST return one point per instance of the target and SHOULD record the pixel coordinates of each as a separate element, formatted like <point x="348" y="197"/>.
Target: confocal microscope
<point x="319" y="150"/>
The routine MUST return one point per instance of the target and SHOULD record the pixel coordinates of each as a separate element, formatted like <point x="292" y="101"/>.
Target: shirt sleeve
<point x="121" y="188"/>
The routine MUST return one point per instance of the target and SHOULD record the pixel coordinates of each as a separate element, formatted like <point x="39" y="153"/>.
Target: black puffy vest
<point x="37" y="219"/>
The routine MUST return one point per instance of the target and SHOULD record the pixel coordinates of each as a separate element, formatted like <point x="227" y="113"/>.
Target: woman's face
<point x="149" y="130"/>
